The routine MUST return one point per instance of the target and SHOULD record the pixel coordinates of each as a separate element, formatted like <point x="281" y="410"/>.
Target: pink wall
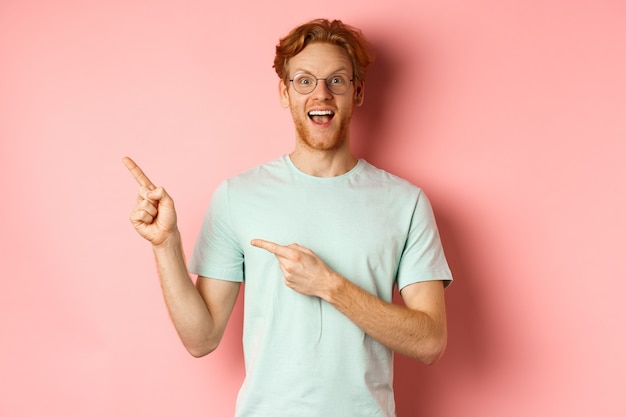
<point x="511" y="115"/>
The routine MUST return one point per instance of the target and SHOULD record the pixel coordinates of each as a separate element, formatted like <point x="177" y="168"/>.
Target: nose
<point x="321" y="90"/>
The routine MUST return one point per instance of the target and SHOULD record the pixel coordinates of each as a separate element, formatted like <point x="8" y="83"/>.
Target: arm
<point x="199" y="313"/>
<point x="417" y="330"/>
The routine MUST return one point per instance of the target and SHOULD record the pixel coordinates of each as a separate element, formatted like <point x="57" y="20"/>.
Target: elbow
<point x="201" y="350"/>
<point x="198" y="353"/>
<point x="432" y="351"/>
<point x="435" y="346"/>
<point x="433" y="357"/>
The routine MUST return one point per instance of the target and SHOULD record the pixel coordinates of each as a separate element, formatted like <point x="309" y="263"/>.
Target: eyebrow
<point x="341" y="69"/>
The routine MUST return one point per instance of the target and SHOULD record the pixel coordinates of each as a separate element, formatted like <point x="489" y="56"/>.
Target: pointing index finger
<point x="141" y="178"/>
<point x="272" y="247"/>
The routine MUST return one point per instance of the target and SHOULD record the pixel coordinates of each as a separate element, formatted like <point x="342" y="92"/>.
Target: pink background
<point x="510" y="114"/>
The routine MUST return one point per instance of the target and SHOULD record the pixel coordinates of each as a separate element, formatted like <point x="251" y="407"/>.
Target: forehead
<point x="321" y="59"/>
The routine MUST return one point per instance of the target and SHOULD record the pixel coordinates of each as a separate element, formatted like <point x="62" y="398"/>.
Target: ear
<point x="359" y="93"/>
<point x="283" y="93"/>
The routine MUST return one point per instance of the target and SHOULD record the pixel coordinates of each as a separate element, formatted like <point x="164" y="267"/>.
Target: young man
<point x="320" y="238"/>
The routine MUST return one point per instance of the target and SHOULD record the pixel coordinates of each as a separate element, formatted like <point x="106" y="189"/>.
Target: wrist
<point x="172" y="240"/>
<point x="336" y="283"/>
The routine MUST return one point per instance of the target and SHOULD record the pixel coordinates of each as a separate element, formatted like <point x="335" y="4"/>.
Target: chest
<point x="358" y="233"/>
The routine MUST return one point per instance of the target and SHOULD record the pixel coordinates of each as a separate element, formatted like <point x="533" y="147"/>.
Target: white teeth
<point x="321" y="113"/>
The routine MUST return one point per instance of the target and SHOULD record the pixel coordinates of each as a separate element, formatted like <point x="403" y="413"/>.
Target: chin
<point x="325" y="143"/>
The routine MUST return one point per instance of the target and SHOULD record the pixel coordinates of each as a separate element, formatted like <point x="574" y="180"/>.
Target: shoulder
<point x="271" y="169"/>
<point x="385" y="180"/>
<point x="255" y="182"/>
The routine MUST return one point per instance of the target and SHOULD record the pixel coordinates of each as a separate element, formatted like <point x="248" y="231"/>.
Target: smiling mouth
<point x="321" y="116"/>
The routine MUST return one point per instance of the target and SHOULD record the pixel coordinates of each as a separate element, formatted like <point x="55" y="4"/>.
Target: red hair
<point x="322" y="30"/>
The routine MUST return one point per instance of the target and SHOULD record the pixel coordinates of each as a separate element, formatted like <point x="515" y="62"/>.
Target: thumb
<point x="159" y="194"/>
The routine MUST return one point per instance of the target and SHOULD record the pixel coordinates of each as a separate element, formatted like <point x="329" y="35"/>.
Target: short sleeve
<point x="423" y="258"/>
<point x="217" y="253"/>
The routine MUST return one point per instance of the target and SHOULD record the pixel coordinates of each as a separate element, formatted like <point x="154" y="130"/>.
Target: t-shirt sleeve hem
<point x="223" y="275"/>
<point x="444" y="277"/>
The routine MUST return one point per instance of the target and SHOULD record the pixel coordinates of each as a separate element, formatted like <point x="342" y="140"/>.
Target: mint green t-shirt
<point x="302" y="357"/>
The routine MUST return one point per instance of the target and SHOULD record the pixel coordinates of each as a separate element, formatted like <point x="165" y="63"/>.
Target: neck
<point x="322" y="163"/>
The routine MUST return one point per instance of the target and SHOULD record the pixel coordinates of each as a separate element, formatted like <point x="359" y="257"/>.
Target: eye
<point x="304" y="79"/>
<point x="337" y="80"/>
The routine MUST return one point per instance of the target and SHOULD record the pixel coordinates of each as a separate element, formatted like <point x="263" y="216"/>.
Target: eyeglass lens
<point x="305" y="83"/>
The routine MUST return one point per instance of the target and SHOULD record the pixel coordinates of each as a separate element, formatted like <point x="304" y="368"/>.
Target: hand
<point x="154" y="216"/>
<point x="303" y="270"/>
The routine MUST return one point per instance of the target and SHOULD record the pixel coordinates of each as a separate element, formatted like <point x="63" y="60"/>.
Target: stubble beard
<point x="337" y="141"/>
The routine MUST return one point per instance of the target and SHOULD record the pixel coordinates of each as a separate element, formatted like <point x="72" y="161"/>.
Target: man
<point x="319" y="323"/>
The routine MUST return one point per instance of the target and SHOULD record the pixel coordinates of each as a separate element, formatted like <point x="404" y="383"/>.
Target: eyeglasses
<point x="305" y="83"/>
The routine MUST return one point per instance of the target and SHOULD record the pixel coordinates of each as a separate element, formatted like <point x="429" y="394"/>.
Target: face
<point x="321" y="118"/>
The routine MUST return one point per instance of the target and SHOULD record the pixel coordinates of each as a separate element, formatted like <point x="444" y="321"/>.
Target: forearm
<point x="411" y="332"/>
<point x="417" y="330"/>
<point x="186" y="307"/>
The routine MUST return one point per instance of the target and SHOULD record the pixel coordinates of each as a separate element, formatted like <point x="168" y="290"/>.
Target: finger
<point x="141" y="217"/>
<point x="271" y="247"/>
<point x="160" y="196"/>
<point x="147" y="206"/>
<point x="141" y="178"/>
<point x="143" y="193"/>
